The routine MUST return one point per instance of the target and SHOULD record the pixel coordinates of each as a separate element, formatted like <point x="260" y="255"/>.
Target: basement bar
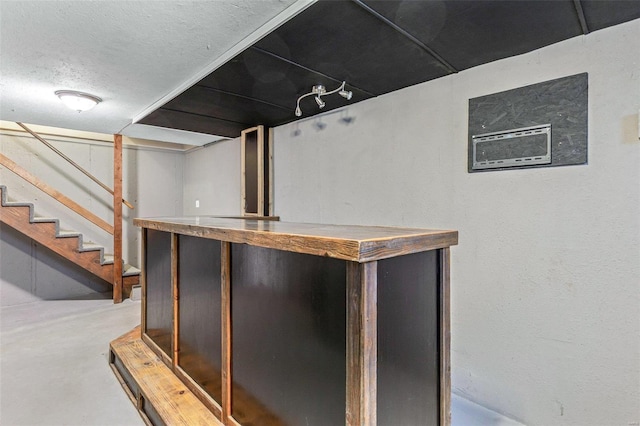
<point x="262" y="323"/>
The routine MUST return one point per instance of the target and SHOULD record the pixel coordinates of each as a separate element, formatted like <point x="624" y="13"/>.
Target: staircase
<point x="68" y="244"/>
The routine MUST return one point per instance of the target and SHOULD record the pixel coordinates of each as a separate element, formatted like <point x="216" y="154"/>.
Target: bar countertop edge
<point x="355" y="243"/>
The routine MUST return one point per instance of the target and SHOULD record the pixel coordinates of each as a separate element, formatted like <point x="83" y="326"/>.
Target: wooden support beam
<point x="225" y="262"/>
<point x="362" y="343"/>
<point x="143" y="280"/>
<point x="117" y="218"/>
<point x="60" y="197"/>
<point x="175" y="291"/>
<point x="445" y="337"/>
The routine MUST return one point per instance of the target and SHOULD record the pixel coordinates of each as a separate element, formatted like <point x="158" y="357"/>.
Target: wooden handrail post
<point x="117" y="218"/>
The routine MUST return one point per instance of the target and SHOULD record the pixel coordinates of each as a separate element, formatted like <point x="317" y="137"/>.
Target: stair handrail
<point x="73" y="163"/>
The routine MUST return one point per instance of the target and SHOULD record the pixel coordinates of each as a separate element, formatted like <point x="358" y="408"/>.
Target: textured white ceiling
<point x="131" y="54"/>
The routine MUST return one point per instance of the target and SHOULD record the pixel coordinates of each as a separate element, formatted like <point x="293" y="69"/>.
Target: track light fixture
<point x="318" y="91"/>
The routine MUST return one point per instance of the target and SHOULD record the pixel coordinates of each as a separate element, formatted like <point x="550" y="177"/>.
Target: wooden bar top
<point x="353" y="243"/>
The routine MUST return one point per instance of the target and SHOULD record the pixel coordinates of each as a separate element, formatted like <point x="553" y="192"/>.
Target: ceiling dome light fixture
<point x="78" y="101"/>
<point x="318" y="91"/>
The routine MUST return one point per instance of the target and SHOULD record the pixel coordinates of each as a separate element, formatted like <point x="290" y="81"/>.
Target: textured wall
<point x="212" y="176"/>
<point x="152" y="181"/>
<point x="545" y="280"/>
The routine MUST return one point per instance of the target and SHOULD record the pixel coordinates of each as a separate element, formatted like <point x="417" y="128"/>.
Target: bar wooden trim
<point x="175" y="292"/>
<point x="445" y="337"/>
<point x="353" y="243"/>
<point x="117" y="219"/>
<point x="60" y="197"/>
<point x="143" y="281"/>
<point x="361" y="404"/>
<point x="225" y="266"/>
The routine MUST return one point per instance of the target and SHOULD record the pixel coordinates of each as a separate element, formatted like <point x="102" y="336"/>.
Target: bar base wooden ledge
<point x="159" y="396"/>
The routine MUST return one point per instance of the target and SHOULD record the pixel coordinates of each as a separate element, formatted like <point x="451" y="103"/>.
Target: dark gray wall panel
<point x="199" y="312"/>
<point x="408" y="342"/>
<point x="563" y="103"/>
<point x="289" y="326"/>
<point x="158" y="288"/>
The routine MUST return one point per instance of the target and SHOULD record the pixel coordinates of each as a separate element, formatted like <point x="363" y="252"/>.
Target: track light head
<point x="298" y="111"/>
<point x="320" y="102"/>
<point x="347" y="94"/>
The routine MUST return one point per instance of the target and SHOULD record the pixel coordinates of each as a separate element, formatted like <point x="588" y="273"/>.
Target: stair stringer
<point x="68" y="244"/>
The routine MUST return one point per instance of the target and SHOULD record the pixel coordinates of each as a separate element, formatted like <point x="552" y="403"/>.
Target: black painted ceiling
<point x="376" y="47"/>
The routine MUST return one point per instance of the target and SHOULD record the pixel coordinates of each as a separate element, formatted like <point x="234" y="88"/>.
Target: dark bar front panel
<point x="288" y="329"/>
<point x="199" y="312"/>
<point x="408" y="342"/>
<point x="159" y="302"/>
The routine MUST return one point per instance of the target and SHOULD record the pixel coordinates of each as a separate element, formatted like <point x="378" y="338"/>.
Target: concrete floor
<point x="54" y="367"/>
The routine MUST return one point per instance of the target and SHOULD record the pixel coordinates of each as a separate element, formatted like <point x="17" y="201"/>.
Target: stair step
<point x="9" y="203"/>
<point x="129" y="270"/>
<point x="68" y="234"/>
<point x="44" y="220"/>
<point x="89" y="246"/>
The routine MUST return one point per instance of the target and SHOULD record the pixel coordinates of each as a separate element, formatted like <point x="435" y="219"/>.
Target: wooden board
<point x="361" y="386"/>
<point x="156" y="390"/>
<point x="117" y="219"/>
<point x="354" y="243"/>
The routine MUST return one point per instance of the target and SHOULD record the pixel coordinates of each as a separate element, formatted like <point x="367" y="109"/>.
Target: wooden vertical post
<point x="362" y="344"/>
<point x="143" y="281"/>
<point x="175" y="291"/>
<point x="117" y="218"/>
<point x="225" y="261"/>
<point x="445" y="337"/>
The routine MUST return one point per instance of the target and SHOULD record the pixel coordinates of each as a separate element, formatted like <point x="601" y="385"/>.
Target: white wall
<point x="212" y="176"/>
<point x="546" y="278"/>
<point x="152" y="181"/>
